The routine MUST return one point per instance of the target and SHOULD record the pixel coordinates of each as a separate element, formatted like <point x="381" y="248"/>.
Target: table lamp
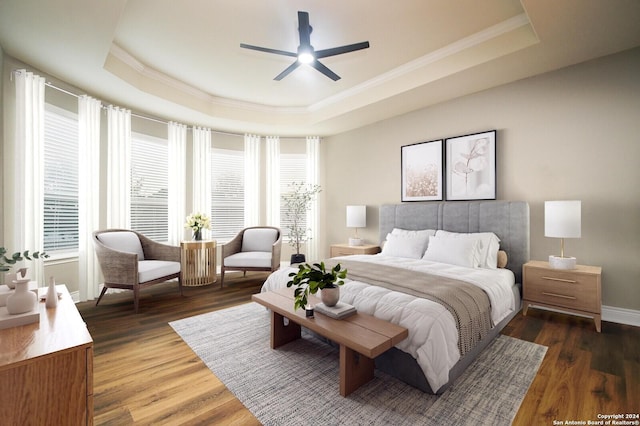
<point x="356" y="218"/>
<point x="562" y="220"/>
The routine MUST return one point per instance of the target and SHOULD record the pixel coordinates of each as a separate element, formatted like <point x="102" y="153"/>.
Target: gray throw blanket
<point x="468" y="303"/>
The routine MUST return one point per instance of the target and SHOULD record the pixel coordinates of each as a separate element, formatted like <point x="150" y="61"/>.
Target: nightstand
<point x="575" y="291"/>
<point x="347" y="250"/>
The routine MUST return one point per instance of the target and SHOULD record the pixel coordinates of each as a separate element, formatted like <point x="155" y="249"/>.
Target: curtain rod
<point x="157" y="120"/>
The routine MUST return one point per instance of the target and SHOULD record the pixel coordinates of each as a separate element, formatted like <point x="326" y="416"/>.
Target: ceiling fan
<point x="306" y="53"/>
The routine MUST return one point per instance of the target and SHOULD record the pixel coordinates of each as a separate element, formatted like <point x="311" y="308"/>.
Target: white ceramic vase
<point x="9" y="278"/>
<point x="330" y="295"/>
<point x="52" y="294"/>
<point x="22" y="300"/>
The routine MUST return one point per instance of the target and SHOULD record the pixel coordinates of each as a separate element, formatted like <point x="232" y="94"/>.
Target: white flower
<point x="197" y="221"/>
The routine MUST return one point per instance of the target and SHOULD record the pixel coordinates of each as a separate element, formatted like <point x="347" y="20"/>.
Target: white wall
<point x="572" y="134"/>
<point x="569" y="134"/>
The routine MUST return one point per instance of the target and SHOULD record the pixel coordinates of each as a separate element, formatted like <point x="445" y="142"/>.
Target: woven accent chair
<point x="254" y="249"/>
<point x="131" y="261"/>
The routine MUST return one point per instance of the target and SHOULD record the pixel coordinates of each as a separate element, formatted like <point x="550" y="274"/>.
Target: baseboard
<point x="609" y="313"/>
<point x="75" y="296"/>
<point x="621" y="315"/>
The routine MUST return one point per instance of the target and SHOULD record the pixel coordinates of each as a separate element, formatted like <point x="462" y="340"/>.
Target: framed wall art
<point x="471" y="166"/>
<point x="422" y="172"/>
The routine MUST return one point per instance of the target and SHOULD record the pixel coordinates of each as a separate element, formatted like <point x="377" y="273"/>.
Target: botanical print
<point x="471" y="167"/>
<point x="422" y="171"/>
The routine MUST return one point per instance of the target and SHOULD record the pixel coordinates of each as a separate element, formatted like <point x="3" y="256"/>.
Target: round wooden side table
<point x="198" y="262"/>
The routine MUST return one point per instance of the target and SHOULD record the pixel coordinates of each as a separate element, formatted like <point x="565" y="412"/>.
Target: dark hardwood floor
<point x="145" y="374"/>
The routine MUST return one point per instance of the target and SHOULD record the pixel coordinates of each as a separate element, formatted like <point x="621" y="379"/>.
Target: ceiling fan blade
<point x="342" y="49"/>
<point x="324" y="70"/>
<point x="287" y="71"/>
<point x="304" y="29"/>
<point x="268" y="50"/>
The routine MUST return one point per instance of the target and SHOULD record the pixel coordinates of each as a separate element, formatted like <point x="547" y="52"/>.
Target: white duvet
<point x="433" y="338"/>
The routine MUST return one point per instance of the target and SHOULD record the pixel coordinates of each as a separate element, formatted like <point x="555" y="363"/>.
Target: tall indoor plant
<point x="297" y="202"/>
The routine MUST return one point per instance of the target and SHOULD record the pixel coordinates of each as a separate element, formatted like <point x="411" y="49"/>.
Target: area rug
<point x="299" y="382"/>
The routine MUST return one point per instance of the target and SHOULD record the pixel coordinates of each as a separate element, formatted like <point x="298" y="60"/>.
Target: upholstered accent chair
<point x="253" y="249"/>
<point x="131" y="261"/>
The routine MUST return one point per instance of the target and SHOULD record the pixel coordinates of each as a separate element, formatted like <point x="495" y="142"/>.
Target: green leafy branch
<point x="7" y="262"/>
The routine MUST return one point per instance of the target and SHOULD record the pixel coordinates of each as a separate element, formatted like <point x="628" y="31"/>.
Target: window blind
<point x="60" y="180"/>
<point x="292" y="170"/>
<point x="149" y="186"/>
<point x="227" y="193"/>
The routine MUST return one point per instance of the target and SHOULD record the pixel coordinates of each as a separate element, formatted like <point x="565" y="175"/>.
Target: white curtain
<point x="251" y="180"/>
<point x="273" y="181"/>
<point x="119" y="168"/>
<point x="313" y="178"/>
<point x="177" y="181"/>
<point x="88" y="195"/>
<point x="201" y="174"/>
<point x="28" y="163"/>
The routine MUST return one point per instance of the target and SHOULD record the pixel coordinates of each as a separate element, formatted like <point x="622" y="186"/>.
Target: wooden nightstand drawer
<point x="570" y="290"/>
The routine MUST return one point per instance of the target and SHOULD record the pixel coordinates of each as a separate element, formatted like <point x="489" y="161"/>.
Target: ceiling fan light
<point x="305" y="58"/>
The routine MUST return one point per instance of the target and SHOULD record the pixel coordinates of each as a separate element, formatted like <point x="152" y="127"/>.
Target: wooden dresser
<point x="571" y="290"/>
<point x="46" y="368"/>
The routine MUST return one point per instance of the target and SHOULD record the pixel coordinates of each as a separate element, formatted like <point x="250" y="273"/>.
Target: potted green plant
<point x="297" y="202"/>
<point x="311" y="278"/>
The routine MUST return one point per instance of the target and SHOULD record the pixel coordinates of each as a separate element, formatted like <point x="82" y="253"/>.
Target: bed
<point x="438" y="349"/>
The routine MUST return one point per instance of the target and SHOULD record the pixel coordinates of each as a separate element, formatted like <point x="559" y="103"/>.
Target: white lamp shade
<point x="562" y="219"/>
<point x="356" y="216"/>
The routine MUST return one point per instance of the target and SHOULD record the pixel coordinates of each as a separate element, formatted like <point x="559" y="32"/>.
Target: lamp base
<point x="355" y="241"/>
<point x="557" y="262"/>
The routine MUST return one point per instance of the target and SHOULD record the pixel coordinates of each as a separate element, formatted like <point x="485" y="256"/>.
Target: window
<point x="292" y="170"/>
<point x="60" y="180"/>
<point x="227" y="193"/>
<point x="149" y="186"/>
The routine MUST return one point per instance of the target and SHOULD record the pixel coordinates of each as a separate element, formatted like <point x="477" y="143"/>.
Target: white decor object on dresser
<point x="22" y="300"/>
<point x="52" y="294"/>
<point x="562" y="219"/>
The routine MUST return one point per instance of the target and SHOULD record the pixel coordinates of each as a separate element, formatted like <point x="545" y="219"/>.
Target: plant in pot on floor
<point x="297" y="202"/>
<point x="311" y="278"/>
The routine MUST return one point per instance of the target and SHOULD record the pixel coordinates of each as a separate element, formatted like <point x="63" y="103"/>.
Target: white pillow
<point x="125" y="241"/>
<point x="259" y="239"/>
<point x="422" y="233"/>
<point x="487" y="248"/>
<point x="454" y="251"/>
<point x="404" y="246"/>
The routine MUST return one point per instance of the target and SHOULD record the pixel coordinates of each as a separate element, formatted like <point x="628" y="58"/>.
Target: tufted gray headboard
<point x="509" y="220"/>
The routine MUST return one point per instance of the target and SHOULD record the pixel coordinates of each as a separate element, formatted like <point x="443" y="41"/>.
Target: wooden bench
<point x="361" y="337"/>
